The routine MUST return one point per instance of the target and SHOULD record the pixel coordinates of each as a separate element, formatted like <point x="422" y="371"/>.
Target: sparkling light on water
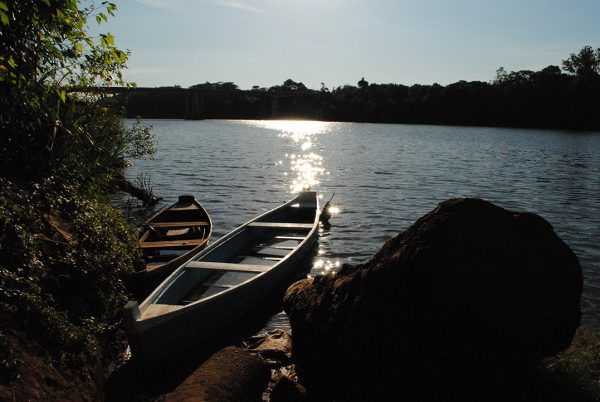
<point x="334" y="210"/>
<point x="384" y="177"/>
<point x="307" y="164"/>
<point x="323" y="266"/>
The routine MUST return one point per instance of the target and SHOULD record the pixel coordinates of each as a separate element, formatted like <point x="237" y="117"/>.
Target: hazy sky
<point x="264" y="42"/>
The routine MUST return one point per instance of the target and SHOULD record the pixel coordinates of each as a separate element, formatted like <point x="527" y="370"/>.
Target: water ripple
<point x="384" y="177"/>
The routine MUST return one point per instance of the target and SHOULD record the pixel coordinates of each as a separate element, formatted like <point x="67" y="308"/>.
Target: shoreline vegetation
<point x="66" y="254"/>
<point x="549" y="98"/>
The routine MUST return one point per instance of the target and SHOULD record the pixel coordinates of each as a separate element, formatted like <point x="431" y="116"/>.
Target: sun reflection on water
<point x="322" y="266"/>
<point x="334" y="210"/>
<point x="305" y="169"/>
<point x="306" y="165"/>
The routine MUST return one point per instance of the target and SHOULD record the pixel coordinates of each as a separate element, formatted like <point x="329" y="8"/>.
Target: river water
<point x="384" y="177"/>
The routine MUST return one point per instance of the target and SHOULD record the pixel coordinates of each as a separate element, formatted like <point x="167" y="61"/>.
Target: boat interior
<point x="242" y="257"/>
<point x="254" y="249"/>
<point x="173" y="233"/>
<point x="301" y="212"/>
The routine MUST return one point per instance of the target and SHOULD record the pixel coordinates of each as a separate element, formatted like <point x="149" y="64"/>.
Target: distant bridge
<point x="195" y="99"/>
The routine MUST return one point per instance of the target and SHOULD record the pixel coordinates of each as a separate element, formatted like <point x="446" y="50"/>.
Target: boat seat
<point x="186" y="207"/>
<point x="256" y="260"/>
<point x="178" y="224"/>
<point x="225" y="266"/>
<point x="299" y="238"/>
<point x="281" y="225"/>
<point x="171" y="243"/>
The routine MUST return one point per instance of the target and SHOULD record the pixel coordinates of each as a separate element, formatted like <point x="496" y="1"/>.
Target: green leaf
<point x="4" y="17"/>
<point x="98" y="20"/>
<point x="3" y="6"/>
<point x="62" y="95"/>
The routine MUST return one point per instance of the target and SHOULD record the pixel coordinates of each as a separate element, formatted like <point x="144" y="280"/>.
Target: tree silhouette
<point x="216" y="86"/>
<point x="292" y="85"/>
<point x="586" y="62"/>
<point x="545" y="98"/>
<point x="501" y="75"/>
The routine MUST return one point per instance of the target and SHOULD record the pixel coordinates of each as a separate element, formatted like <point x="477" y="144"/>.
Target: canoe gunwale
<point x="144" y="323"/>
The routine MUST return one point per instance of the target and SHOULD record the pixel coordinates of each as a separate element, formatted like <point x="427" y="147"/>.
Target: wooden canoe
<point x="224" y="281"/>
<point x="172" y="236"/>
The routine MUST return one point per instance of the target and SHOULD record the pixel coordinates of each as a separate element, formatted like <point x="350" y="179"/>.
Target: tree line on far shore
<point x="552" y="97"/>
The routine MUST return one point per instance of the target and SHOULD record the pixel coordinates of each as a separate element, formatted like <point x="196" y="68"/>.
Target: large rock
<point x="470" y="288"/>
<point x="232" y="374"/>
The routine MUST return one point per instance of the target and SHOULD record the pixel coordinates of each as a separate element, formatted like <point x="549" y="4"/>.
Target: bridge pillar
<point x="194" y="106"/>
<point x="274" y="106"/>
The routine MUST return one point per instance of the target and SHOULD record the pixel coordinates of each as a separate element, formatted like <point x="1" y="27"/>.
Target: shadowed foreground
<point x="470" y="298"/>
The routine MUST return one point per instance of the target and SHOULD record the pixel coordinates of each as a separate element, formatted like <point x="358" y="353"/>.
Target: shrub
<point x="66" y="285"/>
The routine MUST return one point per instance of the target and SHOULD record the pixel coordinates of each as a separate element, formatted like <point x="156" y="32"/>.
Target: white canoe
<point x="217" y="286"/>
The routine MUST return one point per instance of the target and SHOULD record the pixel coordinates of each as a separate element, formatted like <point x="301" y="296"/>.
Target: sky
<point x="337" y="42"/>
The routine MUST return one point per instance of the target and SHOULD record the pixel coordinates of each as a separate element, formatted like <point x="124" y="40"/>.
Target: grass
<point x="576" y="371"/>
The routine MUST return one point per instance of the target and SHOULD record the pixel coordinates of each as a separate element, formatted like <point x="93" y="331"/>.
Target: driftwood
<point x="231" y="374"/>
<point x="139" y="192"/>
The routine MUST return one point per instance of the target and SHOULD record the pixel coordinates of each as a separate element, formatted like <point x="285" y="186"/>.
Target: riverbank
<point x="50" y="347"/>
<point x="355" y="333"/>
<point x="241" y="371"/>
<point x="64" y="251"/>
<point x="64" y="258"/>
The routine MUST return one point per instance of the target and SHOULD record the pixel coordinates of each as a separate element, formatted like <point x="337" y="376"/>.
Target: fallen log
<point x="142" y="194"/>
